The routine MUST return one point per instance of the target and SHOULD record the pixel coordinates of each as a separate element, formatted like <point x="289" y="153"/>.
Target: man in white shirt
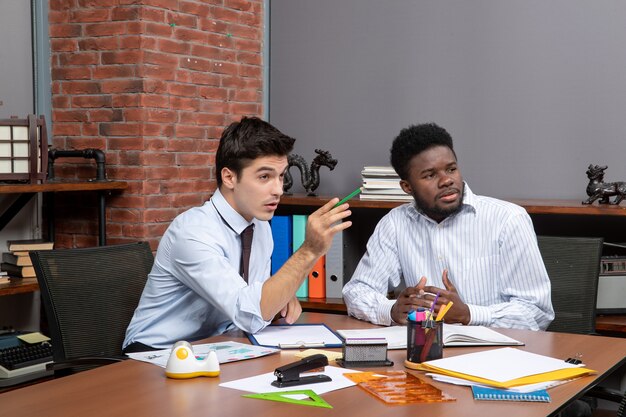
<point x="200" y="284"/>
<point x="478" y="252"/>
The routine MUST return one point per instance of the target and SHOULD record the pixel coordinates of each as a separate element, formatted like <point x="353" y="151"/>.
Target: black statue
<point x="310" y="176"/>
<point x="598" y="189"/>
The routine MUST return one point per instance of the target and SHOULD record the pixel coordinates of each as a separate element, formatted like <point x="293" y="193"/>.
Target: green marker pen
<point x="349" y="196"/>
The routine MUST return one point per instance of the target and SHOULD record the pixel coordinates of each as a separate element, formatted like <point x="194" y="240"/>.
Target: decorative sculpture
<point x="310" y="176"/>
<point x="598" y="189"/>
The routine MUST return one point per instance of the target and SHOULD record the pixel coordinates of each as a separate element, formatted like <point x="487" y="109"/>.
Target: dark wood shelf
<point x="19" y="286"/>
<point x="57" y="186"/>
<point x="324" y="305"/>
<point x="532" y="206"/>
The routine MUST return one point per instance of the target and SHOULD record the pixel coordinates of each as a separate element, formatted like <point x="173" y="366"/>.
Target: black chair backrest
<point x="573" y="265"/>
<point x="90" y="295"/>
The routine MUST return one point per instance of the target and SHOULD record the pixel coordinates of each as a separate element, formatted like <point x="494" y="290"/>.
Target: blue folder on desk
<point x="296" y="336"/>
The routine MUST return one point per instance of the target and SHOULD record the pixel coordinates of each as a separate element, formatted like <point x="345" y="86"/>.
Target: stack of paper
<point x="505" y="368"/>
<point x="382" y="183"/>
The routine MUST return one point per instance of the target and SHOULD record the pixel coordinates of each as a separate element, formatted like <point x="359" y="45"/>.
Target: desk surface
<point x="139" y="389"/>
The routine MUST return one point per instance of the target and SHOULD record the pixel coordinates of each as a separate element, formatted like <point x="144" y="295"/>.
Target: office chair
<point x="573" y="265"/>
<point x="89" y="296"/>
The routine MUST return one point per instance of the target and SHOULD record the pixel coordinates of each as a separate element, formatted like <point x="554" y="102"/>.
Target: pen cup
<point x="424" y="341"/>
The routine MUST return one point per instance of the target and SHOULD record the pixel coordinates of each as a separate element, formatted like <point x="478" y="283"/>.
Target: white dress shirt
<point x="194" y="289"/>
<point x="489" y="248"/>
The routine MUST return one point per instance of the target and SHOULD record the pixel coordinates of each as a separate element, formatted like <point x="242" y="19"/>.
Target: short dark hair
<point x="414" y="140"/>
<point x="248" y="139"/>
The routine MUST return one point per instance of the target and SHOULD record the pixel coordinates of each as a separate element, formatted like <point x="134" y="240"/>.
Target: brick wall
<point x="152" y="83"/>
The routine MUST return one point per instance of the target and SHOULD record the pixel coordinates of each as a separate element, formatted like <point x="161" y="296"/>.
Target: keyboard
<point x="23" y="362"/>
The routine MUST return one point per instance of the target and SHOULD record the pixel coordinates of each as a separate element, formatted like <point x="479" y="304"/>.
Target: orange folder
<point x="317" y="279"/>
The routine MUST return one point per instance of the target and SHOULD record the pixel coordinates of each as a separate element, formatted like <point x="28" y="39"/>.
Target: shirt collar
<point x="228" y="214"/>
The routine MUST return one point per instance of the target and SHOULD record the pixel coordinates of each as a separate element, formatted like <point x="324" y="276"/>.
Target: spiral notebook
<point x="497" y="394"/>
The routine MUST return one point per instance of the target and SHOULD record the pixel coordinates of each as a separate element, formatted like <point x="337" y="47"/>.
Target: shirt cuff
<point x="479" y="315"/>
<point x="384" y="313"/>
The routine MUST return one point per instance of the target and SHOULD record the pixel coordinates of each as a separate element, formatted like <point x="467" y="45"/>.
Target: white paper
<point x="501" y="365"/>
<point x="263" y="383"/>
<point x="294" y="336"/>
<point x="226" y="352"/>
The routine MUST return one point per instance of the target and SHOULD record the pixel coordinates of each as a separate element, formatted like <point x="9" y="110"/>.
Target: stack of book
<point x="16" y="262"/>
<point x="382" y="183"/>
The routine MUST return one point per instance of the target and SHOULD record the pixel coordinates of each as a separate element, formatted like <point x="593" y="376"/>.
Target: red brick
<point x="209" y="24"/>
<point x="106" y="29"/>
<point x="72" y="73"/>
<point x="225" y="68"/>
<point x="97" y="3"/>
<point x="159" y="29"/>
<point x="190" y="132"/>
<point x="206" y="79"/>
<point x="155" y="86"/>
<point x="122" y="129"/>
<point x="157" y="72"/>
<point x="213" y="93"/>
<point x="63" y="45"/>
<point x="155" y="100"/>
<point x="65" y="31"/>
<point x="162" y="172"/>
<point x="153" y="129"/>
<point x="90" y="129"/>
<point x="191" y="159"/>
<point x="159" y="215"/>
<point x="69" y="116"/>
<point x="80" y="87"/>
<point x="181" y="145"/>
<point x="113" y="71"/>
<point x="90" y="15"/>
<point x="186" y="20"/>
<point x="152" y="14"/>
<point x="243" y="108"/>
<point x="66" y="129"/>
<point x="194" y="7"/>
<point x="98" y="44"/>
<point x="159" y="201"/>
<point x="160" y="59"/>
<point x="86" y="143"/>
<point x="135" y="42"/>
<point x="183" y="103"/>
<point x="196" y="173"/>
<point x="158" y="158"/>
<point x="187" y="90"/>
<point x="106" y="115"/>
<point x="242" y="5"/>
<point x="155" y="144"/>
<point x="246" y="95"/>
<point x="125" y="13"/>
<point x="211" y="52"/>
<point x="128" y="173"/>
<point x="165" y="4"/>
<point x="126" y="100"/>
<point x="247" y="45"/>
<point x="251" y="19"/>
<point x="250" y="58"/>
<point x="128" y="215"/>
<point x="92" y="101"/>
<point x="188" y="200"/>
<point x="130" y="158"/>
<point x="121" y="57"/>
<point x="123" y="86"/>
<point x="174" y="47"/>
<point x="225" y="14"/>
<point x="60" y="102"/>
<point x="85" y="58"/>
<point x="190" y="35"/>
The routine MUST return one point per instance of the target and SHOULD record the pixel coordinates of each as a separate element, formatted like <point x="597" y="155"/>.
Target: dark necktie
<point x="246" y="249"/>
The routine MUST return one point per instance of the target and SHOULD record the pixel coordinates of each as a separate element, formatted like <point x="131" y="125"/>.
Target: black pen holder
<point x="424" y="341"/>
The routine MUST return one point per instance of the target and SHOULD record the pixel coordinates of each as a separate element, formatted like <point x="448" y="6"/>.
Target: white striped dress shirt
<point x="489" y="248"/>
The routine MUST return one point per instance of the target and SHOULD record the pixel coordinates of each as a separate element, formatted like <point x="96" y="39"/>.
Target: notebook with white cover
<point x="453" y="335"/>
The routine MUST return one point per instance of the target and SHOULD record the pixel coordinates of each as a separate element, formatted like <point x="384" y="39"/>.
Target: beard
<point x="436" y="212"/>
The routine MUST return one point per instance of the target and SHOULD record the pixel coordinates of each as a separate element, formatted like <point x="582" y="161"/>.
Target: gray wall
<point x="531" y="91"/>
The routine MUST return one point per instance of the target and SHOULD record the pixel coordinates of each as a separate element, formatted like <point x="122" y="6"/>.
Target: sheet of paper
<point x="396" y="335"/>
<point x="475" y="335"/>
<point x="294" y="336"/>
<point x="35" y="337"/>
<point x="522" y="388"/>
<point x="263" y="383"/>
<point x="226" y="352"/>
<point x="502" y="364"/>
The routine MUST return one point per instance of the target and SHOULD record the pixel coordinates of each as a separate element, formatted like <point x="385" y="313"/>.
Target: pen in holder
<point x="424" y="342"/>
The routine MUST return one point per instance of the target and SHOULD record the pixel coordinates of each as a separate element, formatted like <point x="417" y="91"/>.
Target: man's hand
<point x="291" y="311"/>
<point x="323" y="224"/>
<point x="459" y="313"/>
<point x="408" y="300"/>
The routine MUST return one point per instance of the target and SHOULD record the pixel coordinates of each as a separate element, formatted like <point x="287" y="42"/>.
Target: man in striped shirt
<point x="479" y="252"/>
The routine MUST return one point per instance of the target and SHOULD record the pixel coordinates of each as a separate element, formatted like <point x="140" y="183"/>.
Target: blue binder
<point x="299" y="229"/>
<point x="282" y="234"/>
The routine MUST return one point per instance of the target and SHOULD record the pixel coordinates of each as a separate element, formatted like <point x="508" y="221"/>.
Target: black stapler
<point x="289" y="375"/>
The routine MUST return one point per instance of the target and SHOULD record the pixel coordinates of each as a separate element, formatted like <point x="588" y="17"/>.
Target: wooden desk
<point x="134" y="388"/>
<point x="27" y="191"/>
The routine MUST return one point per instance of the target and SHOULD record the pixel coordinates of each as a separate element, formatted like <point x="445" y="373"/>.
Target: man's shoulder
<point x="495" y="204"/>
